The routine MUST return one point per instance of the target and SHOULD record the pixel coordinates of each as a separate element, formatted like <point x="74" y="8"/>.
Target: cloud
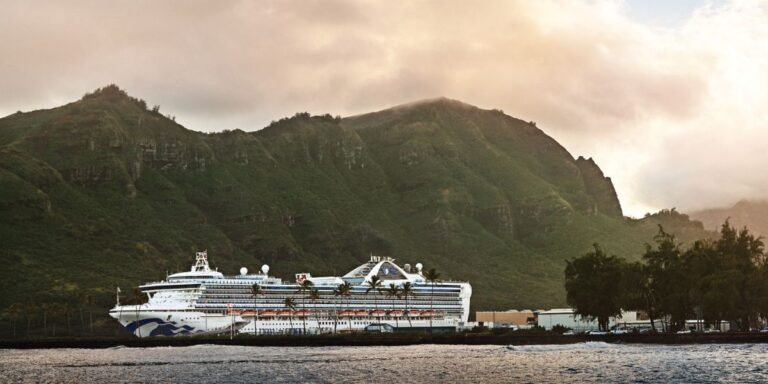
<point x="675" y="115"/>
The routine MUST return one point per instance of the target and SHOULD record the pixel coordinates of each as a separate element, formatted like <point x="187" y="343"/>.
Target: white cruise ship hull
<point x="326" y="325"/>
<point x="204" y="301"/>
<point x="148" y="322"/>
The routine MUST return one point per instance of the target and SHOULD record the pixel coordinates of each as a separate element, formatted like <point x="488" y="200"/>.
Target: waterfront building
<point x="567" y="318"/>
<point x="506" y="319"/>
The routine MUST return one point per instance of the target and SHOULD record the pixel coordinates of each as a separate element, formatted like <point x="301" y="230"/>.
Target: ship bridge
<point x="200" y="271"/>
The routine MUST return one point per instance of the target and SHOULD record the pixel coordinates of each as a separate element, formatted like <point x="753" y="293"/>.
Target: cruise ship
<point x="205" y="301"/>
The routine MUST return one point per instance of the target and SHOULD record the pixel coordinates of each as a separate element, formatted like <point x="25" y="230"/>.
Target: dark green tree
<point x="592" y="284"/>
<point x="741" y="258"/>
<point x="709" y="287"/>
<point x="668" y="280"/>
<point x="635" y="290"/>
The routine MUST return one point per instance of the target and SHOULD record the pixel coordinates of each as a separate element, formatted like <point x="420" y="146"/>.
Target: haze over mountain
<point x="750" y="213"/>
<point x="105" y="191"/>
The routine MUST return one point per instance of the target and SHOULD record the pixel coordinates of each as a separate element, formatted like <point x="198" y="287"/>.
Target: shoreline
<point x="359" y="340"/>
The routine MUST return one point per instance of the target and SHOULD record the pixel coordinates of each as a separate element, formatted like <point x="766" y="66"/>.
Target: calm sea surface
<point x="592" y="362"/>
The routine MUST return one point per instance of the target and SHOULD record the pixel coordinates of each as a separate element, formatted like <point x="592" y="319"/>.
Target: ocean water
<point x="593" y="362"/>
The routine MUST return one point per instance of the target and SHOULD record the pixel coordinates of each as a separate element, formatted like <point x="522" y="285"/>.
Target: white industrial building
<point x="567" y="318"/>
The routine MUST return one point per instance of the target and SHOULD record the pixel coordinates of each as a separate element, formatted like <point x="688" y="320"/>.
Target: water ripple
<point x="576" y="363"/>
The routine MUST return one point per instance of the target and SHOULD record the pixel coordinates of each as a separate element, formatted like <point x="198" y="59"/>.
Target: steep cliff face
<point x="104" y="192"/>
<point x="600" y="188"/>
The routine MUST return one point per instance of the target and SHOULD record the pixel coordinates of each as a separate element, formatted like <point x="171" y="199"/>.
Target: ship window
<point x="388" y="271"/>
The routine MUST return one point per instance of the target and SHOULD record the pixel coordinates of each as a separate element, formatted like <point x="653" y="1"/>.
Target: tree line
<point x="70" y="314"/>
<point x="710" y="281"/>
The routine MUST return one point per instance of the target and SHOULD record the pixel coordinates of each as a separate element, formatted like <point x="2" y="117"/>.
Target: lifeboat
<point x="379" y="313"/>
<point x="267" y="313"/>
<point x="302" y="313"/>
<point x="396" y="313"/>
<point x="361" y="313"/>
<point x="413" y="313"/>
<point x="427" y="313"/>
<point x="347" y="313"/>
<point x="284" y="313"/>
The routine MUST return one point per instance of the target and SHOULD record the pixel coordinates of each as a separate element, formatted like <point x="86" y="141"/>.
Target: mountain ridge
<point x="106" y="191"/>
<point x="752" y="213"/>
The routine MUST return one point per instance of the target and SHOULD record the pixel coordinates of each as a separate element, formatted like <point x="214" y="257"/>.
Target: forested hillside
<point x="105" y="191"/>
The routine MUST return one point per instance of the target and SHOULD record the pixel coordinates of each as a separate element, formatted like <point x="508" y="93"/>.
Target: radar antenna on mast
<point x="201" y="262"/>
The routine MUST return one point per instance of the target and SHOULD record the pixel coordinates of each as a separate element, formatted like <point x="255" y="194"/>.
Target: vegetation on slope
<point x="105" y="191"/>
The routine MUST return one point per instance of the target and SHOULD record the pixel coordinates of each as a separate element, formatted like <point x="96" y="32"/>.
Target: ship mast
<point x="201" y="262"/>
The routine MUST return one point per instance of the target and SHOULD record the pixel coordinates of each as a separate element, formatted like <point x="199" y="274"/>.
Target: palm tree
<point x="290" y="303"/>
<point x="304" y="287"/>
<point x="137" y="298"/>
<point x="90" y="300"/>
<point x="45" y="308"/>
<point x="345" y="290"/>
<point x="336" y="293"/>
<point x="14" y="312"/>
<point x="314" y="295"/>
<point x="432" y="276"/>
<point x="54" y="309"/>
<point x="375" y="286"/>
<point x="393" y="292"/>
<point x="67" y="310"/>
<point x="406" y="291"/>
<point x="80" y="308"/>
<point x="30" y="310"/>
<point x="256" y="291"/>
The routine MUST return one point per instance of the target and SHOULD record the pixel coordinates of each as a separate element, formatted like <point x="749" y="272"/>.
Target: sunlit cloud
<point x="675" y="114"/>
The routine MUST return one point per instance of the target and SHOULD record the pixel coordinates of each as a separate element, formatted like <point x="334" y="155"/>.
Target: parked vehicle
<point x="379" y="328"/>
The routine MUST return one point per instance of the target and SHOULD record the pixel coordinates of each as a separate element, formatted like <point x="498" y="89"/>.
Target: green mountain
<point x="104" y="192"/>
<point x="750" y="213"/>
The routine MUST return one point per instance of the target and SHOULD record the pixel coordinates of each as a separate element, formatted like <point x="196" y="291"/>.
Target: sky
<point x="668" y="97"/>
